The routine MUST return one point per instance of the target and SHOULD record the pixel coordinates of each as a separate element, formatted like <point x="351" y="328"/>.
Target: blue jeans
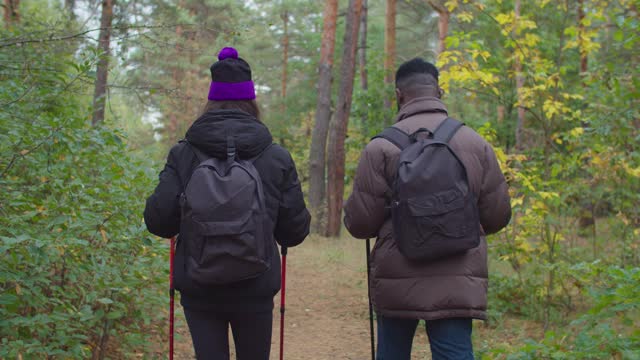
<point x="450" y="339"/>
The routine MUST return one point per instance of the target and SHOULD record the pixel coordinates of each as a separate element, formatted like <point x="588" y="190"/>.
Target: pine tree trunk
<point x="100" y="94"/>
<point x="587" y="220"/>
<point x="11" y="13"/>
<point x="389" y="46"/>
<point x="338" y="130"/>
<point x="176" y="76"/>
<point x="583" y="53"/>
<point x="443" y="25"/>
<point x="70" y="6"/>
<point x="519" y="82"/>
<point x="285" y="59"/>
<point x="362" y="59"/>
<point x="317" y="157"/>
<point x="362" y="54"/>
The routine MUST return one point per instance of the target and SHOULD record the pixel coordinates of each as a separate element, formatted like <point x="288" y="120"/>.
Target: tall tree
<point x="338" y="130"/>
<point x="389" y="46"/>
<point x="362" y="53"/>
<point x="285" y="57"/>
<point x="443" y="24"/>
<point x="11" y="13"/>
<point x="70" y="6"/>
<point x="100" y="93"/>
<point x="317" y="155"/>
<point x="519" y="78"/>
<point x="176" y="74"/>
<point x="581" y="35"/>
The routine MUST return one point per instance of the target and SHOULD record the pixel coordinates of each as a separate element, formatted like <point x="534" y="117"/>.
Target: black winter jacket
<point x="283" y="199"/>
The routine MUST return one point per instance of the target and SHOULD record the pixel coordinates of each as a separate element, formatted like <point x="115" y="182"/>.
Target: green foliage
<point x="605" y="331"/>
<point x="78" y="267"/>
<point x="80" y="272"/>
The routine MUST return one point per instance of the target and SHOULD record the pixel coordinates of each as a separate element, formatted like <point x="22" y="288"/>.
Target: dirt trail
<point x="326" y="306"/>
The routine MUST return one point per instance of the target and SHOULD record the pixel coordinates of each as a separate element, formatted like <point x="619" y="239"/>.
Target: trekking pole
<point x="171" y="296"/>
<point x="283" y="251"/>
<point x="373" y="354"/>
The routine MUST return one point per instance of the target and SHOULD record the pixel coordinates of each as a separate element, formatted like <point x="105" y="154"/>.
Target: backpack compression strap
<point x="447" y="129"/>
<point x="396" y="136"/>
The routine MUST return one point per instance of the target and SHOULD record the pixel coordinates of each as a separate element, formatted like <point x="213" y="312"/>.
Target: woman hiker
<point x="229" y="127"/>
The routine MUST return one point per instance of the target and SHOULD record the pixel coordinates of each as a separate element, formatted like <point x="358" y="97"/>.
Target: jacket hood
<point x="209" y="133"/>
<point x="421" y="105"/>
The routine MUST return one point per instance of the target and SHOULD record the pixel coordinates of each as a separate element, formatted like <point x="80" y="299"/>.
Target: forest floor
<point x="327" y="311"/>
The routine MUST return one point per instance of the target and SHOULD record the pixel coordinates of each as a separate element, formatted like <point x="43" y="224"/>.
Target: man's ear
<point x="399" y="97"/>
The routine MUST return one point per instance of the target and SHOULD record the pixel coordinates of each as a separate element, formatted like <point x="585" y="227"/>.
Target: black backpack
<point x="224" y="221"/>
<point x="433" y="210"/>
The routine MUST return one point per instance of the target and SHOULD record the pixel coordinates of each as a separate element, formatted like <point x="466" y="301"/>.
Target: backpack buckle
<point x="231" y="148"/>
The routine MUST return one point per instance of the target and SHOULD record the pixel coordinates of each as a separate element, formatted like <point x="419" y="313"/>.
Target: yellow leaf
<point x="24" y="152"/>
<point x="504" y="19"/>
<point x="548" y="194"/>
<point x="451" y="5"/>
<point x="18" y="289"/>
<point x="104" y="235"/>
<point x="577" y="131"/>
<point x="635" y="172"/>
<point x="465" y="16"/>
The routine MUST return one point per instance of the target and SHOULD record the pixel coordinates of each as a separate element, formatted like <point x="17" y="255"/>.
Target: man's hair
<point x="416" y="75"/>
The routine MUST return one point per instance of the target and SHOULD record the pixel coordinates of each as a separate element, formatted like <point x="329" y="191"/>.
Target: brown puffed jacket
<point x="452" y="287"/>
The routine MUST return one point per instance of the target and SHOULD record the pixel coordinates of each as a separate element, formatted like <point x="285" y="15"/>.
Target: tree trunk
<point x="519" y="80"/>
<point x="587" y="219"/>
<point x="338" y="130"/>
<point x="176" y="76"/>
<point x="362" y="60"/>
<point x="362" y="54"/>
<point x="11" y="13"/>
<point x="285" y="58"/>
<point x="70" y="6"/>
<point x="389" y="47"/>
<point x="583" y="53"/>
<point x="443" y="25"/>
<point x="100" y="94"/>
<point x="322" y="117"/>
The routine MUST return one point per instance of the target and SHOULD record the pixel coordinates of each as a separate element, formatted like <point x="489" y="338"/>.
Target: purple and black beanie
<point x="231" y="78"/>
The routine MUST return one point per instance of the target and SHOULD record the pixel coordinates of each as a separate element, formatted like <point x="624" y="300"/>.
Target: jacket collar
<point x="421" y="105"/>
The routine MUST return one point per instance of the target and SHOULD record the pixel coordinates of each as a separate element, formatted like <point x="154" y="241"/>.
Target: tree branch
<point x="52" y="38"/>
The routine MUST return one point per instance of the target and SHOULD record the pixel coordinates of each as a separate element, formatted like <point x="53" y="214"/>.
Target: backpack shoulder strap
<point x="197" y="152"/>
<point x="253" y="159"/>
<point x="396" y="136"/>
<point x="447" y="129"/>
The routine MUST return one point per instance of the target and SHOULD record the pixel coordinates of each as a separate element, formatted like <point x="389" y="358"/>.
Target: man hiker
<point x="447" y="291"/>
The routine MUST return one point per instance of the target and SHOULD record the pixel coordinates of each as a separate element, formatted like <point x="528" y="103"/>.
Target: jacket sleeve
<point x="494" y="203"/>
<point x="162" y="211"/>
<point x="292" y="225"/>
<point x="365" y="208"/>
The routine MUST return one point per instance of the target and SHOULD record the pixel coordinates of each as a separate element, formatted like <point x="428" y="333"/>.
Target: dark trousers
<point x="450" y="339"/>
<point x="210" y="334"/>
